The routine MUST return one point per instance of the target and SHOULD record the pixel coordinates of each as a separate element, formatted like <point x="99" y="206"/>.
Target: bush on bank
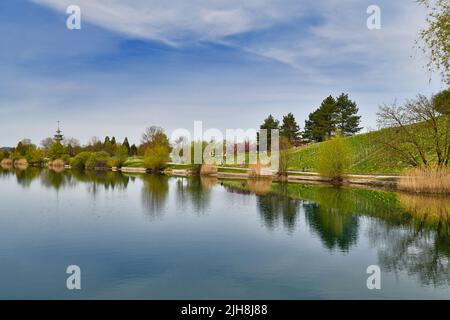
<point x="335" y="159"/>
<point x="89" y="160"/>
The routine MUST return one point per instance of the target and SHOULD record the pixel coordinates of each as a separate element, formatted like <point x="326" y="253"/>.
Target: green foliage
<point x="56" y="151"/>
<point x="335" y="158"/>
<point x="284" y="156"/>
<point x="156" y="157"/>
<point x="153" y="136"/>
<point x="436" y="37"/>
<point x="3" y="155"/>
<point x="133" y="150"/>
<point x="333" y="115"/>
<point x="126" y="144"/>
<point x="100" y="159"/>
<point x="418" y="133"/>
<point x="290" y="129"/>
<point x="441" y="102"/>
<point x="121" y="155"/>
<point x="134" y="162"/>
<point x="79" y="161"/>
<point x="35" y="156"/>
<point x="26" y="150"/>
<point x="322" y="122"/>
<point x="269" y="124"/>
<point x="347" y="120"/>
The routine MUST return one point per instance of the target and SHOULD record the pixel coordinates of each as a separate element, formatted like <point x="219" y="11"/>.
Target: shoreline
<point x="382" y="182"/>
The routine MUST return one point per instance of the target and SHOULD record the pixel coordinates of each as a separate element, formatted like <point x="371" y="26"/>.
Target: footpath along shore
<point x="293" y="176"/>
<point x="389" y="181"/>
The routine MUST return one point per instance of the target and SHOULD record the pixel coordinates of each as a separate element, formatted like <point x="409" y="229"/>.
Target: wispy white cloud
<point x="176" y="21"/>
<point x="310" y="49"/>
<point x="338" y="39"/>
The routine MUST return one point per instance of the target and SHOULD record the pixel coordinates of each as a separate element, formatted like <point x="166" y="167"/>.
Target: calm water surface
<point x="151" y="237"/>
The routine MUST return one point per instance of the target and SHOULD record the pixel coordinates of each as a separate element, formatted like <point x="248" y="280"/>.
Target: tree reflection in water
<point x="195" y="191"/>
<point x="154" y="193"/>
<point x="277" y="206"/>
<point x="422" y="247"/>
<point x="410" y="232"/>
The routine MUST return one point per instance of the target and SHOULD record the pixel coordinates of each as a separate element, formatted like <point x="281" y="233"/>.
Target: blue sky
<point x="228" y="63"/>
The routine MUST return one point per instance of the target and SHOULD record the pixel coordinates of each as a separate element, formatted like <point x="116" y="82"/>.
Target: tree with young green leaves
<point x="441" y="102"/>
<point x="156" y="157"/>
<point x="290" y="129"/>
<point x="56" y="151"/>
<point x="121" y="155"/>
<point x="335" y="158"/>
<point x="108" y="146"/>
<point x="269" y="124"/>
<point x="435" y="37"/>
<point x="153" y="136"/>
<point x="285" y="155"/>
<point x="347" y="119"/>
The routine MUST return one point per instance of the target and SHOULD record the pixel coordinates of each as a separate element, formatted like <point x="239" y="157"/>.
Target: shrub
<point x="156" y="157"/>
<point x="121" y="155"/>
<point x="426" y="180"/>
<point x="6" y="163"/>
<point x="3" y="155"/>
<point x="58" y="163"/>
<point x="21" y="163"/>
<point x="56" y="151"/>
<point x="79" y="162"/>
<point x="100" y="159"/>
<point x="208" y="169"/>
<point x="335" y="159"/>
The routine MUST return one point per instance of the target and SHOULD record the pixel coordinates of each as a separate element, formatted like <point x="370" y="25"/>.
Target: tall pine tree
<point x="322" y="123"/>
<point x="269" y="124"/>
<point x="333" y="115"/>
<point x="347" y="119"/>
<point x="126" y="144"/>
<point x="290" y="129"/>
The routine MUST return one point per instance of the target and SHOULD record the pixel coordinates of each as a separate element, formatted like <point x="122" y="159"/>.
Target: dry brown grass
<point x="426" y="180"/>
<point x="258" y="170"/>
<point x="259" y="186"/>
<point x="431" y="209"/>
<point x="208" y="169"/>
<point x="58" y="163"/>
<point x="208" y="182"/>
<point x="6" y="163"/>
<point x="21" y="164"/>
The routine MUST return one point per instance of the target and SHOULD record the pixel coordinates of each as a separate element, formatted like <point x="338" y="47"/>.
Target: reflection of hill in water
<point x="411" y="232"/>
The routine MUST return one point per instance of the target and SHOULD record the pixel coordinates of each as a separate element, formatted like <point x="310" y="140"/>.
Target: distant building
<point x="58" y="137"/>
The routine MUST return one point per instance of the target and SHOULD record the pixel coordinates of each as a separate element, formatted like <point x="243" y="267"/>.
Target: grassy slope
<point x="369" y="156"/>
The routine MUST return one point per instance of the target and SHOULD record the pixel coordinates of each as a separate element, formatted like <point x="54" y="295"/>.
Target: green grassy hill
<point x="369" y="156"/>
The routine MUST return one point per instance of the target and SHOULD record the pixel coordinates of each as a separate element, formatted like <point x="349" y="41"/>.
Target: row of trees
<point x="333" y="115"/>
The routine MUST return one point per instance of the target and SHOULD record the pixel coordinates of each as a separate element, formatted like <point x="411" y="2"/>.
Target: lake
<point x="156" y="237"/>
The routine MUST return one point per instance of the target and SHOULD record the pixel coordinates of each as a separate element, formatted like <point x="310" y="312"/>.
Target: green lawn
<point x="369" y="156"/>
<point x="134" y="162"/>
